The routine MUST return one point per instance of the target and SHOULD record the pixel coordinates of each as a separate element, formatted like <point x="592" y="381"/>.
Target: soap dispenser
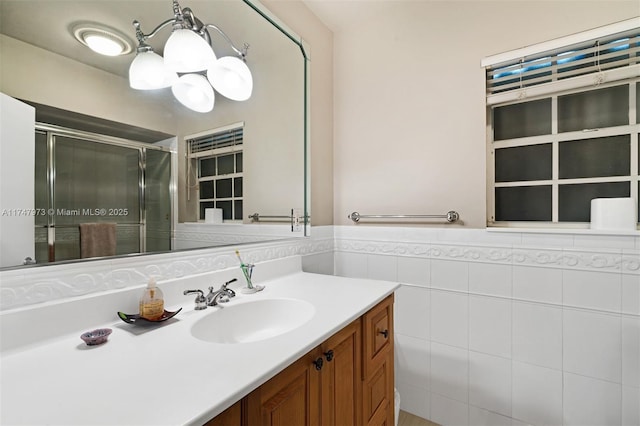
<point x="152" y="302"/>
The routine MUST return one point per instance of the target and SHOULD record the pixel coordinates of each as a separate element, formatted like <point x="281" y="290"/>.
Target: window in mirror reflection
<point x="217" y="155"/>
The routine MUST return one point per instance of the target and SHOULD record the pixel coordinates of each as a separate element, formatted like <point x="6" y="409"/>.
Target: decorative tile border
<point x="589" y="259"/>
<point x="29" y="286"/>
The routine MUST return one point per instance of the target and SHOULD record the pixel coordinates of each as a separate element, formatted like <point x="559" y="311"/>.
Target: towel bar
<point x="256" y="217"/>
<point x="451" y="216"/>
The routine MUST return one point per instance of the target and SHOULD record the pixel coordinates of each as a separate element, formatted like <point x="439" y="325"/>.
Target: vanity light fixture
<point x="190" y="66"/>
<point x="102" y="39"/>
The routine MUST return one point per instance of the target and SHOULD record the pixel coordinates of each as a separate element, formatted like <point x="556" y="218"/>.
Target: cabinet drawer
<point x="378" y="334"/>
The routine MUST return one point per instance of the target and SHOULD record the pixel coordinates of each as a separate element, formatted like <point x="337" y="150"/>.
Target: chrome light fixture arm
<point x="178" y="19"/>
<point x="241" y="53"/>
<point x="185" y="18"/>
<point x="142" y="37"/>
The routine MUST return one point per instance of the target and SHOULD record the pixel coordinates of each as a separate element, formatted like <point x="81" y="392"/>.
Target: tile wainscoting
<point x="25" y="287"/>
<point x="513" y="328"/>
<point x="492" y="328"/>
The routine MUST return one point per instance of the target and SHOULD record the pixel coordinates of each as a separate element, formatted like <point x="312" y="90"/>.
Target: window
<point x="216" y="159"/>
<point x="564" y="129"/>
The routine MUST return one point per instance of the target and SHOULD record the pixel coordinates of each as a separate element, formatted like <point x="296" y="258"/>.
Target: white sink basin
<point x="252" y="321"/>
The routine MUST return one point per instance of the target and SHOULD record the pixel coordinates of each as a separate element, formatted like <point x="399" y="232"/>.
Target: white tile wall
<point x="537" y="394"/>
<point x="631" y="351"/>
<point x="588" y="289"/>
<point x="537" y="284"/>
<point x="450" y="318"/>
<point x="411" y="312"/>
<point x="523" y="328"/>
<point x="320" y="263"/>
<point x="592" y="344"/>
<point x="450" y="275"/>
<point x="630" y="406"/>
<point x="546" y="240"/>
<point x="537" y="334"/>
<point x="631" y="294"/>
<point x="588" y="401"/>
<point x="490" y="279"/>
<point x="414" y="270"/>
<point x="352" y="265"/>
<point x="412" y="361"/>
<point x="490" y="325"/>
<point x="481" y="417"/>
<point x="605" y="241"/>
<point x="490" y="382"/>
<point x="382" y="267"/>
<point x="414" y="399"/>
<point x="450" y="372"/>
<point x="446" y="411"/>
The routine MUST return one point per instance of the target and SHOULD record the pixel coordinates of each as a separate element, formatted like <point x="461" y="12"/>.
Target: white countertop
<point x="162" y="375"/>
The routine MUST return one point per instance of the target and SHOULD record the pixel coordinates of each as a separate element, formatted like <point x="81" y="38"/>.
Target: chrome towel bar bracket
<point x="451" y="216"/>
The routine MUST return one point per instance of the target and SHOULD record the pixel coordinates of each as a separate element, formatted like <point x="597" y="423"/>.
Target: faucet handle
<point x="201" y="301"/>
<point x="224" y="286"/>
<point x="230" y="292"/>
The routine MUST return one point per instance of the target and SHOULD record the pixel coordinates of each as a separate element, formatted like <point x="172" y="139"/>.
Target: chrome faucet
<point x="201" y="301"/>
<point x="221" y="295"/>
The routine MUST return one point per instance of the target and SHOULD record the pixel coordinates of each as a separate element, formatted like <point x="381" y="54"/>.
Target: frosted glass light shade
<point x="194" y="92"/>
<point x="186" y="51"/>
<point x="231" y="77"/>
<point x="147" y="72"/>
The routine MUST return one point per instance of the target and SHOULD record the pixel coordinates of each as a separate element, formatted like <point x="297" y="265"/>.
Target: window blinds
<point x="591" y="62"/>
<point x="207" y="143"/>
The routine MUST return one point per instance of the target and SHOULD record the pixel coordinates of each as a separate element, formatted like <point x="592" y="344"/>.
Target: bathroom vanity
<point x="332" y="363"/>
<point x="346" y="380"/>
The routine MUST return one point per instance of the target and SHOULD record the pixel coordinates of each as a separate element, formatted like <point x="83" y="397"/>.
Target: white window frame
<point x="629" y="76"/>
<point x="193" y="163"/>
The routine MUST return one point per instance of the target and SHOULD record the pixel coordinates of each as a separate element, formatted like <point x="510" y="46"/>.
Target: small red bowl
<point x="96" y="337"/>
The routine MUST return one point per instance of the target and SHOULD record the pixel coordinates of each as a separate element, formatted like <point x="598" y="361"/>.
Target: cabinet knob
<point x="329" y="355"/>
<point x="318" y="363"/>
<point x="385" y="333"/>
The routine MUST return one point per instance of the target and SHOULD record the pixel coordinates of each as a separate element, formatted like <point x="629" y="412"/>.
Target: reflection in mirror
<point x="134" y="194"/>
<point x="162" y="173"/>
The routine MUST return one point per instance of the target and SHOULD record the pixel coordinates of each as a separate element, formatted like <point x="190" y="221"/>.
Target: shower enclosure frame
<point x="51" y="131"/>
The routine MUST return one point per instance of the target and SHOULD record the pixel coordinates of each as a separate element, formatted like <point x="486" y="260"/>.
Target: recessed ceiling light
<point x="102" y="39"/>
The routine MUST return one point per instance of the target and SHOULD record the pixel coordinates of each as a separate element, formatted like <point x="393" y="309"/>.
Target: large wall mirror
<point x="101" y="146"/>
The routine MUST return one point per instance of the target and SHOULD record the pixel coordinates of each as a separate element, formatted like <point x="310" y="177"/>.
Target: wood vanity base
<point x="348" y="380"/>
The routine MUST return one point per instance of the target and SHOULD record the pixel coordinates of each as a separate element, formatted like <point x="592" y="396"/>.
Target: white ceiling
<point x="335" y="14"/>
<point x="340" y="15"/>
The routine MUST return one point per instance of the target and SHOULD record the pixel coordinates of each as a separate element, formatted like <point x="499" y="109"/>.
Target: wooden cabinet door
<point x="341" y="378"/>
<point x="378" y="368"/>
<point x="382" y="418"/>
<point x="289" y="399"/>
<point x="378" y="393"/>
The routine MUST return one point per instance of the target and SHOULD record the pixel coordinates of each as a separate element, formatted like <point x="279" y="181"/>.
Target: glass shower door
<point x="95" y="182"/>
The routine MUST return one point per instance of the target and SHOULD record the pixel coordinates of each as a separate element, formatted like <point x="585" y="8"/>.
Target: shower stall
<point x="83" y="177"/>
